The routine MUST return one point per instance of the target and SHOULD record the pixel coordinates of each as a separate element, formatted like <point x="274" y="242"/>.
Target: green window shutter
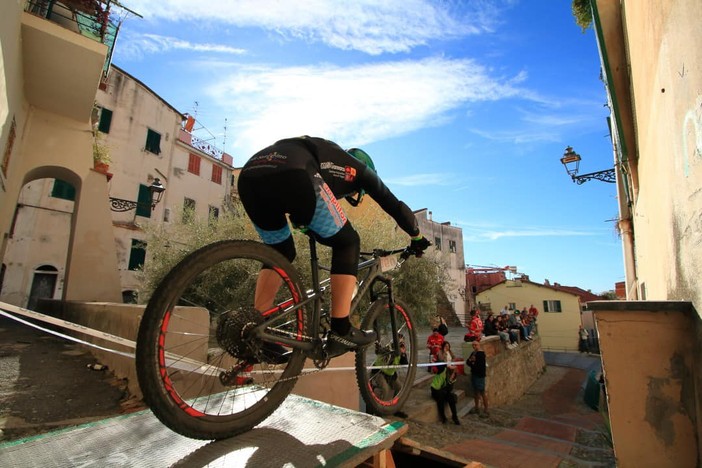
<point x="153" y="142"/>
<point x="63" y="189"/>
<point x="144" y="202"/>
<point x="137" y="256"/>
<point x="105" y="120"/>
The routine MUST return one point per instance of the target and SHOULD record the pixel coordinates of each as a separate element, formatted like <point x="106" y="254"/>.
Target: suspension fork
<point x="391" y="310"/>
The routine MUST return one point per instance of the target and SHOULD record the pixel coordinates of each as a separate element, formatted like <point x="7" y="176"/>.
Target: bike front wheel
<point x="202" y="370"/>
<point x="384" y="372"/>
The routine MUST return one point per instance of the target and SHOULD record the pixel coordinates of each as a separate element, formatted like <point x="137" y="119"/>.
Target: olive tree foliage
<point x="582" y="11"/>
<point x="416" y="282"/>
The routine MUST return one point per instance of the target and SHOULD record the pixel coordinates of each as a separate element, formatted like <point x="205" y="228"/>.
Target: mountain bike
<point x="200" y="356"/>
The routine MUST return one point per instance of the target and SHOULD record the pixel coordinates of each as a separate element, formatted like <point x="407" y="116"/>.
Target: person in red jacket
<point x="434" y="343"/>
<point x="475" y="327"/>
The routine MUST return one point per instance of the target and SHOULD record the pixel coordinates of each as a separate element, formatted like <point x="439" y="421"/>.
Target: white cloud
<point x="476" y="233"/>
<point x="136" y="46"/>
<point x="365" y="25"/>
<point x="352" y="105"/>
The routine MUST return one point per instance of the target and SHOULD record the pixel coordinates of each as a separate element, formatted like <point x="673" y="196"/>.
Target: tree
<point x="417" y="283"/>
<point x="582" y="11"/>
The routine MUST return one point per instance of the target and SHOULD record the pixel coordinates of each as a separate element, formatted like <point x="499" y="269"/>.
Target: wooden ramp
<point x="301" y="433"/>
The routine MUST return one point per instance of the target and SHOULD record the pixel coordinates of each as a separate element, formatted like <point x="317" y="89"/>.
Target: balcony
<point x="66" y="48"/>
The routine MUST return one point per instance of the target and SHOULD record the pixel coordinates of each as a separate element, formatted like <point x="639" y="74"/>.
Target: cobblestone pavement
<point x="45" y="384"/>
<point x="555" y="399"/>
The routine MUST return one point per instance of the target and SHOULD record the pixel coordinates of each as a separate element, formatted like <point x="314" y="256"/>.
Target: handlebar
<point x="405" y="253"/>
<point x="383" y="252"/>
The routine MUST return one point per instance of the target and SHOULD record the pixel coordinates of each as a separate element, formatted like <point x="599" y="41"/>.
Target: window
<point x="552" y="306"/>
<point x="194" y="164"/>
<point x="130" y="297"/>
<point x="452" y="246"/>
<point x="217" y="174"/>
<point x="214" y="214"/>
<point x="63" y="189"/>
<point x="137" y="254"/>
<point x="105" y="120"/>
<point x="437" y="243"/>
<point x="153" y="142"/>
<point x="188" y="210"/>
<point x="144" y="202"/>
<point x="43" y="285"/>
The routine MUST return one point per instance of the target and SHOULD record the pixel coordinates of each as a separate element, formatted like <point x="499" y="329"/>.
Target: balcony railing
<point x="89" y="18"/>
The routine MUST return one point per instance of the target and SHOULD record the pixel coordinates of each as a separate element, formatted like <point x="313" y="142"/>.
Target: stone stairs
<point x="420" y="406"/>
<point x="514" y="437"/>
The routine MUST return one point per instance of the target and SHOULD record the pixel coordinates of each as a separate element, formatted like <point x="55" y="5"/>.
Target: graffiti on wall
<point x="692" y="136"/>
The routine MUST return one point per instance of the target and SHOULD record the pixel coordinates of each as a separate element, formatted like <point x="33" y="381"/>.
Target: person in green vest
<point x="385" y="384"/>
<point x="442" y="391"/>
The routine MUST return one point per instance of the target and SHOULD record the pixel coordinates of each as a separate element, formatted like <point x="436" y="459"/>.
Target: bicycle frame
<point x="370" y="272"/>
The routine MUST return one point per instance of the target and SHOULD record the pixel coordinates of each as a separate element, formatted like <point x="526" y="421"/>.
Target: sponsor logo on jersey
<point x="350" y="174"/>
<point x="333" y="204"/>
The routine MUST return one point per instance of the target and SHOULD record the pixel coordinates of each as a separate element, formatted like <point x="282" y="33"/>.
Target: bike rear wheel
<point x="385" y="380"/>
<point x="200" y="368"/>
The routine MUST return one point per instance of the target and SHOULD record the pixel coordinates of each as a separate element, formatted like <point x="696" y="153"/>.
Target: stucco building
<point x="71" y="230"/>
<point x="53" y="60"/>
<point x="651" y="345"/>
<point x="559" y="309"/>
<point x="447" y="246"/>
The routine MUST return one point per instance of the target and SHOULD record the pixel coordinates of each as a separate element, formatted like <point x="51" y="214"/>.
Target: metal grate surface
<point x="301" y="433"/>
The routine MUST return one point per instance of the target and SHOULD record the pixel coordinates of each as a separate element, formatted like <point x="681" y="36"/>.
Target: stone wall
<point x="510" y="372"/>
<point x="122" y="320"/>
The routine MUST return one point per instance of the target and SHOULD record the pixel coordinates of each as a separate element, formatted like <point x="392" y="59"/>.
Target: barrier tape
<point x="6" y="310"/>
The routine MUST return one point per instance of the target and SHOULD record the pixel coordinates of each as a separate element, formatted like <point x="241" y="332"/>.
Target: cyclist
<point x="304" y="177"/>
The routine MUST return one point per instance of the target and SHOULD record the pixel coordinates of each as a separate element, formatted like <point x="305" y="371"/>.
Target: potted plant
<point x="101" y="152"/>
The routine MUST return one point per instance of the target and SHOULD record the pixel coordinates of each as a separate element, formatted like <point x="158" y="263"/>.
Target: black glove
<point x="418" y="246"/>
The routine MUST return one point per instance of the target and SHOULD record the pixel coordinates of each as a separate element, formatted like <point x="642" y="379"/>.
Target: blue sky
<point x="465" y="106"/>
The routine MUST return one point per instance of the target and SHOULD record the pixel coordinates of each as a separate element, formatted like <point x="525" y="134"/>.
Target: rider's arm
<point x="378" y="191"/>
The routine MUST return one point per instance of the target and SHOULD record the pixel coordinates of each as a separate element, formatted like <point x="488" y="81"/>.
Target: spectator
<point x="478" y="371"/>
<point x="533" y="313"/>
<point x="434" y="343"/>
<point x="583" y="346"/>
<point x="490" y="327"/>
<point x="507" y="338"/>
<point x="513" y="323"/>
<point x="384" y="381"/>
<point x="446" y="355"/>
<point x="442" y="327"/>
<point x="504" y="311"/>
<point x="507" y="321"/>
<point x="442" y="393"/>
<point x="475" y="327"/>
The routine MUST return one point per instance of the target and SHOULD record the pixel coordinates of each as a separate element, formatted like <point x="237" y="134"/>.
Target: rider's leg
<point x="342" y="287"/>
<point x="267" y="286"/>
<point x="269" y="281"/>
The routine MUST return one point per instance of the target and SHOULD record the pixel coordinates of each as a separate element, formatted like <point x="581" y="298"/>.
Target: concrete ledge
<point x="650" y="354"/>
<point x="640" y="306"/>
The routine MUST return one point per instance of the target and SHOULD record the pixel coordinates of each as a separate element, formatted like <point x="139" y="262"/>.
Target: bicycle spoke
<point x="215" y="375"/>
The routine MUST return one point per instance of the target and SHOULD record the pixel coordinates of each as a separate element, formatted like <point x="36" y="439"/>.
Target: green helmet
<point x="365" y="159"/>
<point x="362" y="156"/>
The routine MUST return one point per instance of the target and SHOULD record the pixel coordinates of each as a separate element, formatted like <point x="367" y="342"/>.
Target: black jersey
<point x="343" y="173"/>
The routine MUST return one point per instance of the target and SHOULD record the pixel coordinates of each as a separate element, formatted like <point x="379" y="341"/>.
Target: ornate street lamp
<point x="156" y="189"/>
<point x="571" y="162"/>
